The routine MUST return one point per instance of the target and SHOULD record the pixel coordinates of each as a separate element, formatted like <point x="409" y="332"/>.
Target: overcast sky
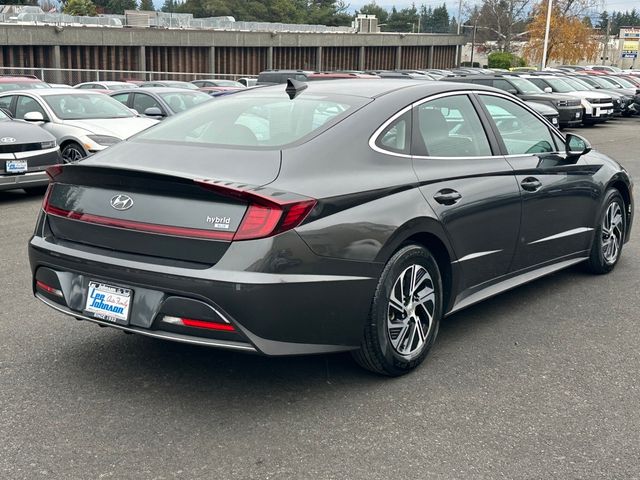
<point x="452" y="5"/>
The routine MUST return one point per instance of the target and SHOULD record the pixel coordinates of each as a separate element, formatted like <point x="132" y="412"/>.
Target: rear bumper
<point x="273" y="314"/>
<point x="24" y="180"/>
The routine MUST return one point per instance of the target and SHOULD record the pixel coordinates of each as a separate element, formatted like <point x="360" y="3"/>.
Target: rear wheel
<point x="609" y="235"/>
<point x="72" y="152"/>
<point x="405" y="314"/>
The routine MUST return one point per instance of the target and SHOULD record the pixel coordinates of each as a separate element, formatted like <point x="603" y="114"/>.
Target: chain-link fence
<point x="68" y="76"/>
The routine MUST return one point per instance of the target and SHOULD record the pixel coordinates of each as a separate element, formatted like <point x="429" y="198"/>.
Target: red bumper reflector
<point x="223" y="327"/>
<point x="48" y="288"/>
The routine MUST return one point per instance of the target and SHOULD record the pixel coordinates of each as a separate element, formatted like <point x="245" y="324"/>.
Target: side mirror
<point x="33" y="117"/>
<point x="576" y="146"/>
<point x="548" y="90"/>
<point x="153" y="112"/>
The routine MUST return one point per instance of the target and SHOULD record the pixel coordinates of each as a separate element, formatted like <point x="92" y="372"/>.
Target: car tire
<point x="609" y="234"/>
<point x="408" y="295"/>
<point x="40" y="190"/>
<point x="72" y="152"/>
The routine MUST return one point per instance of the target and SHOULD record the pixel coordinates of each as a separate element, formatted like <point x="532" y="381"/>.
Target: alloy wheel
<point x="612" y="225"/>
<point x="410" y="315"/>
<point x="71" y="153"/>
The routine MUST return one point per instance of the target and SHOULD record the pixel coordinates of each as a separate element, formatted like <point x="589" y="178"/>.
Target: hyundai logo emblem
<point x="122" y="202"/>
<point x="7" y="140"/>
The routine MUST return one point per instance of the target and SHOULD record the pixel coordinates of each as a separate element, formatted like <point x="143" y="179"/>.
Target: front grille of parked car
<point x="602" y="100"/>
<point x="19" y="147"/>
<point x="568" y="103"/>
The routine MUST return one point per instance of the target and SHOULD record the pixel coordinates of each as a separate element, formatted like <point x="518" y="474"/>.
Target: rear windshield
<point x="258" y="120"/>
<point x="22" y="85"/>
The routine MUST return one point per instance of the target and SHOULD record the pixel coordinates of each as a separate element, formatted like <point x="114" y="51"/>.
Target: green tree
<point x="505" y="60"/>
<point x="146" y="5"/>
<point x="405" y="20"/>
<point x="80" y="8"/>
<point x="118" y="7"/>
<point x="374" y="9"/>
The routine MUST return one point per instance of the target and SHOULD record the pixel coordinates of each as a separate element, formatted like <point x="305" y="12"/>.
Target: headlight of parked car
<point x="104" y="140"/>
<point x="49" y="144"/>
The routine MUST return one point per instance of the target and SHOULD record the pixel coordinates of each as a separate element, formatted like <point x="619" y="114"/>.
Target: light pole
<point x="546" y="37"/>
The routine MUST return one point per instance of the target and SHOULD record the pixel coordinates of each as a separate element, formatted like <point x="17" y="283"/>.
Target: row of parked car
<point x="40" y="123"/>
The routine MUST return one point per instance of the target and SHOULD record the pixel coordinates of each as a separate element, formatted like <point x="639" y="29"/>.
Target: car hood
<point x="116" y="127"/>
<point x="23" y="132"/>
<point x="589" y="94"/>
<point x="542" y="108"/>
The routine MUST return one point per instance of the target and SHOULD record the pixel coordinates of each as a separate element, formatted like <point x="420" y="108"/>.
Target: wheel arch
<point x="623" y="187"/>
<point x="428" y="233"/>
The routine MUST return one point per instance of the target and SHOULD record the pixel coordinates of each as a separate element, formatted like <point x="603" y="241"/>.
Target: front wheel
<point x="405" y="314"/>
<point x="72" y="152"/>
<point x="609" y="235"/>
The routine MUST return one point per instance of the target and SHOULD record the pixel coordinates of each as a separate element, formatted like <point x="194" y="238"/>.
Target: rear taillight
<point x="266" y="215"/>
<point x="191" y="322"/>
<point x="48" y="288"/>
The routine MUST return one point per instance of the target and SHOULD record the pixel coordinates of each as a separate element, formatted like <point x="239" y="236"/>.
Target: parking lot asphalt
<point x="542" y="382"/>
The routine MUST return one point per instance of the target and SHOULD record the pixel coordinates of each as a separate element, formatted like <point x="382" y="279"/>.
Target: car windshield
<point x="22" y="85"/>
<point x="559" y="85"/>
<point x="624" y="83"/>
<point x="79" y="106"/>
<point x="187" y="85"/>
<point x="578" y="84"/>
<point x="264" y="120"/>
<point x="118" y="86"/>
<point x="227" y="83"/>
<point x="604" y="83"/>
<point x="524" y="85"/>
<point x="181" y="101"/>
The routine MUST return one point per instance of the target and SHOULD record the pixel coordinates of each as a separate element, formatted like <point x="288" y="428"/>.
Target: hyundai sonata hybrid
<point x="333" y="216"/>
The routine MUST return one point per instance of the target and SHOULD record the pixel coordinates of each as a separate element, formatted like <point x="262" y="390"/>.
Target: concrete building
<point x="216" y="52"/>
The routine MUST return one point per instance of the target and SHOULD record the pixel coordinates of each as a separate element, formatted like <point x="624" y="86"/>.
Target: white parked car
<point x="83" y="122"/>
<point x="108" y="86"/>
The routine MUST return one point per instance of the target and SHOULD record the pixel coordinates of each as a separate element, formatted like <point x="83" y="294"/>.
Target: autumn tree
<point x="570" y="40"/>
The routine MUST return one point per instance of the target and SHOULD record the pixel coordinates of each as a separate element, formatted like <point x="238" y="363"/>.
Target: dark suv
<point x="272" y="77"/>
<point x="568" y="107"/>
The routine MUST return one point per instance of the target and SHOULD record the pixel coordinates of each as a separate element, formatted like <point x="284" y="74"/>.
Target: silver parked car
<point x="83" y="122"/>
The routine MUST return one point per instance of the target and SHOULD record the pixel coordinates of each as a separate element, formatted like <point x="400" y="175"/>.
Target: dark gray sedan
<point x="26" y="151"/>
<point x="160" y="102"/>
<point x="333" y="216"/>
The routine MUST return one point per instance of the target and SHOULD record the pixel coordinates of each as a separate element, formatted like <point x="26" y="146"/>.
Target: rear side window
<point x="258" y="120"/>
<point x="522" y="132"/>
<point x="396" y="136"/>
<point x="450" y="127"/>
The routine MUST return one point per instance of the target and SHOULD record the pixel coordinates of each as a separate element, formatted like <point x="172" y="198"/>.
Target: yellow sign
<point x="630" y="46"/>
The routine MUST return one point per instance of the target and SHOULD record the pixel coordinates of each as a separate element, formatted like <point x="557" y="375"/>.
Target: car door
<point x="559" y="197"/>
<point x="468" y="184"/>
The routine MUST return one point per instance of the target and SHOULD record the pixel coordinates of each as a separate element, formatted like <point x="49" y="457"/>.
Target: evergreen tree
<point x="146" y="5"/>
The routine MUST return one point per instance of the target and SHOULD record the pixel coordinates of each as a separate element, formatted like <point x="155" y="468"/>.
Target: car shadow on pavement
<point x="17" y="196"/>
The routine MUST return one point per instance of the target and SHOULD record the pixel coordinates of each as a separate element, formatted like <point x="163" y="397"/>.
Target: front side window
<point x="123" y="98"/>
<point x="25" y="105"/>
<point x="525" y="86"/>
<point x="264" y="120"/>
<point x="521" y="131"/>
<point x="179" y="102"/>
<point x="142" y="101"/>
<point x="450" y="127"/>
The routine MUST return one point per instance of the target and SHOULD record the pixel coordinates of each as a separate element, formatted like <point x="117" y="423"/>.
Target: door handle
<point x="447" y="196"/>
<point x="531" y="184"/>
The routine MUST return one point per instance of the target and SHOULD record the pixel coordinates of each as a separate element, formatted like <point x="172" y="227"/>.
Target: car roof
<point x="52" y="91"/>
<point x="376" y="87"/>
<point x="153" y="90"/>
<point x="13" y="78"/>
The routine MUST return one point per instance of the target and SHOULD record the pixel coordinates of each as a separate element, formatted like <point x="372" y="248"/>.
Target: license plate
<point x="108" y="302"/>
<point x="16" y="166"/>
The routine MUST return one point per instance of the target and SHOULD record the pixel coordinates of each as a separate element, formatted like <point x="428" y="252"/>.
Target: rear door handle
<point x="531" y="184"/>
<point x="447" y="196"/>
